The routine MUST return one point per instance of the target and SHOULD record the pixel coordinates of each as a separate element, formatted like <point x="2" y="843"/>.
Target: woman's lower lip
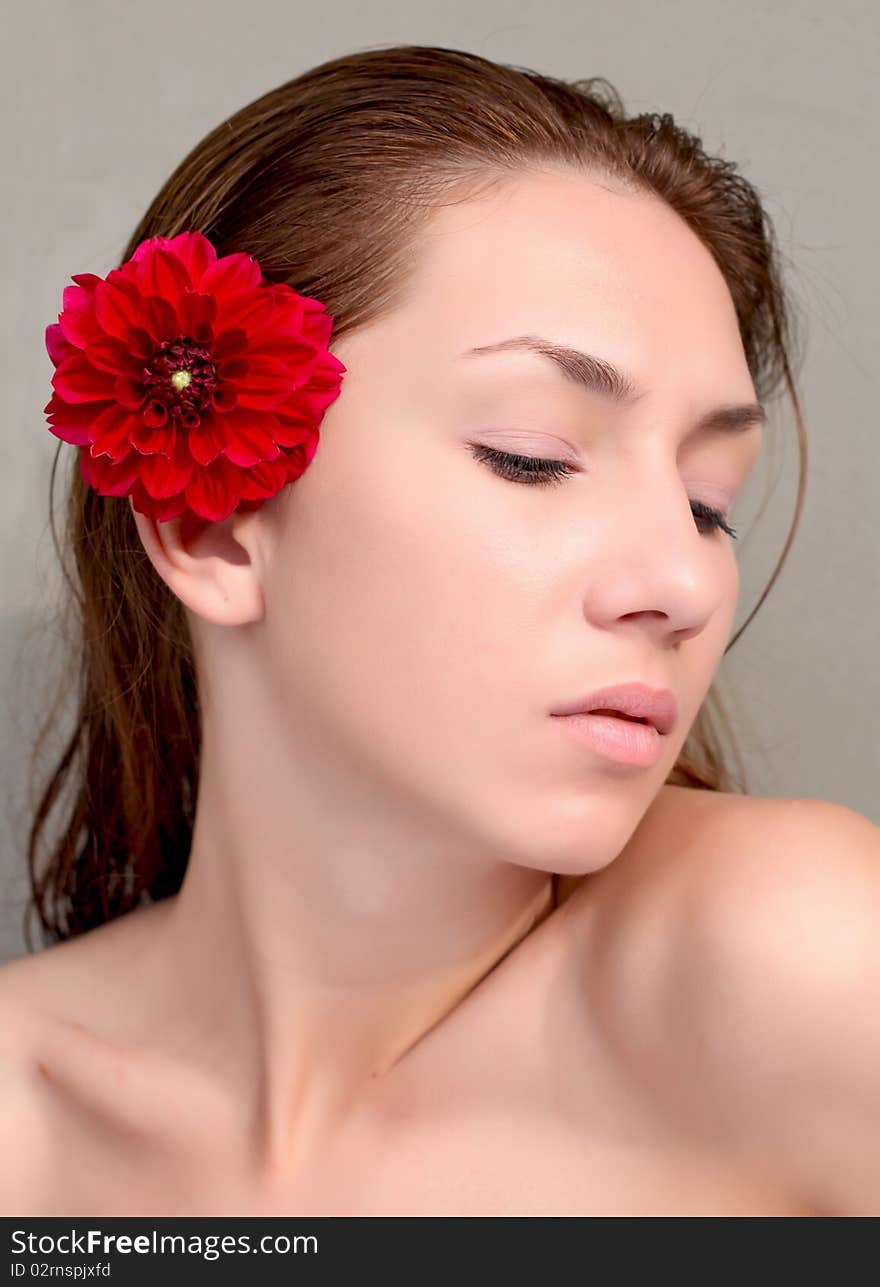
<point x="621" y="740"/>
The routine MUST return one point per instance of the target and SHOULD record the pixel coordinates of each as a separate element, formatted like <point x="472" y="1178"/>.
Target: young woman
<point x="348" y="914"/>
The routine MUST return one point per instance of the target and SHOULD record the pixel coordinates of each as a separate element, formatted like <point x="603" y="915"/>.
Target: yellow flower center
<point x="180" y="379"/>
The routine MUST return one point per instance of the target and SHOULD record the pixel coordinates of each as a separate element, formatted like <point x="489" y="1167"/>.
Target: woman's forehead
<point x="559" y="254"/>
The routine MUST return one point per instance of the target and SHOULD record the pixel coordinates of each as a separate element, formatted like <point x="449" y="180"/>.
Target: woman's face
<point x="424" y="615"/>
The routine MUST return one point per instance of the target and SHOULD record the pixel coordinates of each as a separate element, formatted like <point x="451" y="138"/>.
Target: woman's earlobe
<point x="212" y="567"/>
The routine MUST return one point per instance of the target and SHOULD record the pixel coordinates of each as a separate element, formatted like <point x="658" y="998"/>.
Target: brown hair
<point x="327" y="181"/>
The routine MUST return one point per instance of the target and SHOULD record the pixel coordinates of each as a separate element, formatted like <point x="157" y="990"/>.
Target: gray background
<point x="102" y="100"/>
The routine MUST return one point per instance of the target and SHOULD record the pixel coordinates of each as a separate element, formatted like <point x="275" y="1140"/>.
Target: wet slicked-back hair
<point x="327" y="181"/>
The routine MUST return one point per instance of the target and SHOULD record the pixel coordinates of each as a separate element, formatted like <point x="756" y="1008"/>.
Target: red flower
<point x="188" y="381"/>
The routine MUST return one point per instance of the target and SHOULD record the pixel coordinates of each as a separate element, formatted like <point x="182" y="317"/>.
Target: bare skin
<point x="360" y="999"/>
<point x="521" y="1100"/>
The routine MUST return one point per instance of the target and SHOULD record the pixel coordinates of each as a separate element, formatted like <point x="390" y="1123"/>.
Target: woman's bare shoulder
<point x="701" y="872"/>
<point x="67" y="996"/>
<point x="686" y="829"/>
<point x="23" y="1127"/>
<point x="84" y="976"/>
<point x="36" y="989"/>
<point x="736" y="933"/>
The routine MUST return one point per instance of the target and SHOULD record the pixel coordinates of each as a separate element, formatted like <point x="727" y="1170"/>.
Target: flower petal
<point x="309" y="403"/>
<point x="161" y="510"/>
<point x="195" y="312"/>
<point x="80" y="327"/>
<point x="129" y="392"/>
<point x="145" y="249"/>
<point x="251" y="309"/>
<point x="266" y="384"/>
<point x="317" y="325"/>
<point x="229" y="343"/>
<point x="112" y="431"/>
<point x="117" y="304"/>
<point x="110" y="354"/>
<point x="280" y="346"/>
<point x="57" y="346"/>
<point x="291" y="432"/>
<point x="139" y="343"/>
<point x="208" y="439"/>
<point x="195" y="251"/>
<point x="214" y="492"/>
<point x="249" y="437"/>
<point x="166" y="474"/>
<point x="78" y="319"/>
<point x="76" y="380"/>
<point x="88" y="281"/>
<point x="149" y="439"/>
<point x="154" y="414"/>
<point x="163" y="274"/>
<point x="73" y="422"/>
<point x="265" y="479"/>
<point x="159" y="318"/>
<point x="223" y="397"/>
<point x="109" y="477"/>
<point x="231" y="274"/>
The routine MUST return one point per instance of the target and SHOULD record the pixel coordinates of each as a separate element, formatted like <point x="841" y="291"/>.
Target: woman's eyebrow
<point x="599" y="376"/>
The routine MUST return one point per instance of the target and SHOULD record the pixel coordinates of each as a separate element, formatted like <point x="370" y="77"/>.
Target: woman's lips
<point x="635" y="699"/>
<point x="616" y="737"/>
<point x="619" y="715"/>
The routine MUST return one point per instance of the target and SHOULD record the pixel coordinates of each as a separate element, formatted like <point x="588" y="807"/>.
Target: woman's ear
<point x="215" y="569"/>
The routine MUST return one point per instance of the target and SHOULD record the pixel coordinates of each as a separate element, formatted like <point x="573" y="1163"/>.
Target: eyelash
<point x="536" y="472"/>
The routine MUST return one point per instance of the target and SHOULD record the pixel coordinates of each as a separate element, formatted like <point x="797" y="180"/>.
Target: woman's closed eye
<point x="535" y="471"/>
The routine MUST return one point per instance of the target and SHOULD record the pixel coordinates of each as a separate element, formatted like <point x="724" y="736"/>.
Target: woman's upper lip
<point x="656" y="705"/>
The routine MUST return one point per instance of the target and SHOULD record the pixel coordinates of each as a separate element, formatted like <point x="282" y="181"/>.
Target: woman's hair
<point x="327" y="181"/>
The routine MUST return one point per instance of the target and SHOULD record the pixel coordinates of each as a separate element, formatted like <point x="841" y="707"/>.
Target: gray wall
<point x="103" y="99"/>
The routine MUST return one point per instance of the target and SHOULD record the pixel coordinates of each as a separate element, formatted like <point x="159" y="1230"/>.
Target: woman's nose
<point x="662" y="574"/>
